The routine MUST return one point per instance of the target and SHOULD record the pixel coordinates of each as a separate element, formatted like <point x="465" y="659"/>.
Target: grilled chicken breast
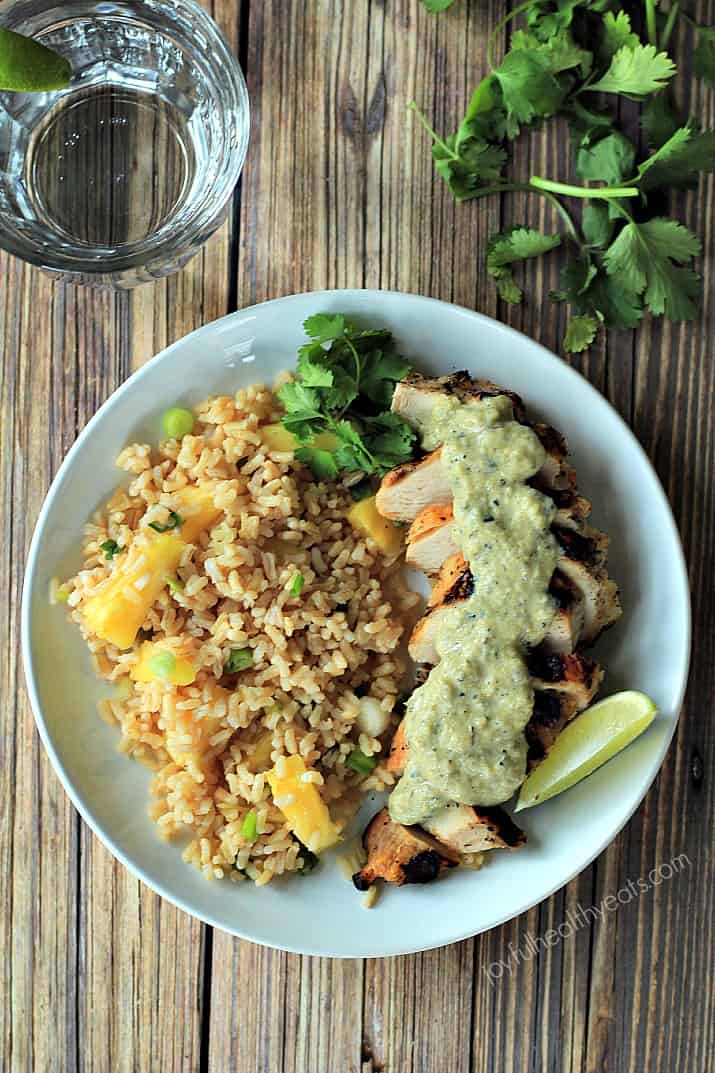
<point x="416" y="395"/>
<point x="400" y="854"/>
<point x="430" y="540"/>
<point x="409" y="488"/>
<point x="454" y="583"/>
<point x="564" y="680"/>
<point x="465" y="829"/>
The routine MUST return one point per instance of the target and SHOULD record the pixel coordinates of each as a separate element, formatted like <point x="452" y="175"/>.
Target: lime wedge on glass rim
<point x="26" y="66"/>
<point x="594" y="736"/>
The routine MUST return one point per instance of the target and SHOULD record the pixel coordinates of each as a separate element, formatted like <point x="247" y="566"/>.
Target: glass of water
<point x="122" y="176"/>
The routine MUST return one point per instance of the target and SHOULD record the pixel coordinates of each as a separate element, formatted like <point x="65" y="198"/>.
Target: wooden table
<point x="101" y="975"/>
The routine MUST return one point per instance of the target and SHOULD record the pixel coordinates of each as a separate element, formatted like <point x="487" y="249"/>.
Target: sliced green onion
<point x="173" y="522"/>
<point x="361" y="490"/>
<point x="62" y="594"/>
<point x="249" y="827"/>
<point x="178" y="422"/>
<point x="163" y="664"/>
<point x="240" y="659"/>
<point x="174" y="584"/>
<point x="361" y="763"/>
<point x="297" y="585"/>
<point x="110" y="549"/>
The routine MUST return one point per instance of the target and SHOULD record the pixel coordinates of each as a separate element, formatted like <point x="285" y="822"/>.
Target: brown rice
<point x="314" y="656"/>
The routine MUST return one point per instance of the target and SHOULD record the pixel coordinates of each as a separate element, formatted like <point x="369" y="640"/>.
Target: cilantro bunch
<point x="572" y="58"/>
<point x="338" y="404"/>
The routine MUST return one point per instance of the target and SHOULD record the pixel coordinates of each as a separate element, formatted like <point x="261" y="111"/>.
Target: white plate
<point x="648" y="649"/>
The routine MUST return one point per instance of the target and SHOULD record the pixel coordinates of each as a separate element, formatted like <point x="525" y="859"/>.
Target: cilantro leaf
<point x="560" y="52"/>
<point x="635" y="72"/>
<point x="616" y="34"/>
<point x="325" y="327"/>
<point x="679" y="160"/>
<point x="296" y="397"/>
<point x="596" y="224"/>
<point x="591" y="292"/>
<point x="659" y="119"/>
<point x="381" y="369"/>
<point x="435" y="6"/>
<point x="467" y="164"/>
<point x="529" y="88"/>
<point x="580" y="333"/>
<point x="609" y="160"/>
<point x="314" y="373"/>
<point x="515" y="244"/>
<point x="352" y="454"/>
<point x="344" y="383"/>
<point x="704" y="55"/>
<point x="390" y="439"/>
<point x="642" y="257"/>
<point x="322" y="463"/>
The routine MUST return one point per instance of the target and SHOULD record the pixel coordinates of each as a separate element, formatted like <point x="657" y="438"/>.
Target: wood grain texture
<point x="100" y="974"/>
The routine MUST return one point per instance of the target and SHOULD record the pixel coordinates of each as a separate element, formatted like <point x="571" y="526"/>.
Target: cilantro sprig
<point x="572" y="58"/>
<point x="338" y="405"/>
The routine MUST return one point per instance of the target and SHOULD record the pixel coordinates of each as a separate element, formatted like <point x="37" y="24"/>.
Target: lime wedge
<point x="593" y="738"/>
<point x="26" y="66"/>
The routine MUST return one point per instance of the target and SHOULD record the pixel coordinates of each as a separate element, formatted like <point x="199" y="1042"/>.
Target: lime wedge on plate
<point x="26" y="66"/>
<point x="593" y="738"/>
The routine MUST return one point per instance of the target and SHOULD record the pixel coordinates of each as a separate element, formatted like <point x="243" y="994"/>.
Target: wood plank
<point x="38" y="835"/>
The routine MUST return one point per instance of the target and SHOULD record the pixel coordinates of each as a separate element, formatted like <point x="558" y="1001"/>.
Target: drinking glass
<point x="122" y="176"/>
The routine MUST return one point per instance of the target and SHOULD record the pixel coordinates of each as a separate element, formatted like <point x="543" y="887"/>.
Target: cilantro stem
<point x="566" y="217"/>
<point x="431" y="131"/>
<point x="650" y="22"/>
<point x="669" y="26"/>
<point x="604" y="192"/>
<point x="356" y="358"/>
<point x="500" y="26"/>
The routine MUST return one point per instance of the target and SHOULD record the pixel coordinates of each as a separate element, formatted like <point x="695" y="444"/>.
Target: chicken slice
<point x="409" y="488"/>
<point x="570" y="675"/>
<point x="400" y="854"/>
<point x="466" y="829"/>
<point x="416" y="395"/>
<point x="454" y="583"/>
<point x="552" y="711"/>
<point x="430" y="541"/>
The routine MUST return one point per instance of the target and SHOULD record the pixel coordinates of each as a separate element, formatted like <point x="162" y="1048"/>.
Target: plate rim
<point x="32" y="566"/>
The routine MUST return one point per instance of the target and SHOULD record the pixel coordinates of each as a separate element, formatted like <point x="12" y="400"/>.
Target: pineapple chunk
<point x="122" y="602"/>
<point x="365" y="517"/>
<point x="260" y="758"/>
<point x="278" y="438"/>
<point x="163" y="663"/>
<point x="304" y="809"/>
<point x="196" y="505"/>
<point x="120" y="605"/>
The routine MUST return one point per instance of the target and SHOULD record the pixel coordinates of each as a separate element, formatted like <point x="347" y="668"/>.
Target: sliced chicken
<point x="416" y="395"/>
<point x="552" y="711"/>
<point x="409" y="488"/>
<point x="571" y="675"/>
<point x="563" y="686"/>
<point x="454" y="583"/>
<point x="401" y="854"/>
<point x="430" y="540"/>
<point x="465" y="829"/>
<point x="601" y="600"/>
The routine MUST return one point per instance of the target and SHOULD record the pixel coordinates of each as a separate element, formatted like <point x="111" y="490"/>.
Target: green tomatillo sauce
<point x="465" y="725"/>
